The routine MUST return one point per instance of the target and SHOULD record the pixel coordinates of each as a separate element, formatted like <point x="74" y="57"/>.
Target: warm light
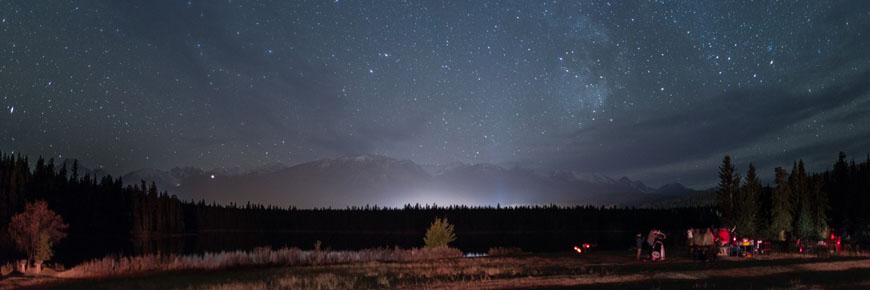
<point x="578" y="249"/>
<point x="586" y="246"/>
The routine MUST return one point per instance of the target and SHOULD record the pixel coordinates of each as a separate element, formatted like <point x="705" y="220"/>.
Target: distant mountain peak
<point x="363" y="158"/>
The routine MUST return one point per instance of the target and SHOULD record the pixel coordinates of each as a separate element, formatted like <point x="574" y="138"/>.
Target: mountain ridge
<point x="377" y="179"/>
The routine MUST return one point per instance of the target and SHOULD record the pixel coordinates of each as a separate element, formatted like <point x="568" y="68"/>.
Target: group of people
<point x="702" y="245"/>
<point x="652" y="245"/>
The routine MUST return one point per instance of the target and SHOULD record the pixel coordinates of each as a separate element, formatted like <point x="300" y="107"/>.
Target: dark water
<point x="78" y="249"/>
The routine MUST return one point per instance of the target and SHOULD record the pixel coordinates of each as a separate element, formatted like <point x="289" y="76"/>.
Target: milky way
<point x="656" y="90"/>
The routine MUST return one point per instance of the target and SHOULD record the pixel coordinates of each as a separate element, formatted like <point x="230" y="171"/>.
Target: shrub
<point x="439" y="234"/>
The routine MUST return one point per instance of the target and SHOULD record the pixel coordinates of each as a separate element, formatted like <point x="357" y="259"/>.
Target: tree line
<point x="104" y="215"/>
<point x="799" y="205"/>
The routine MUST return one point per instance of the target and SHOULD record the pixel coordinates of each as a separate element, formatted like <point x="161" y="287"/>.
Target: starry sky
<point x="654" y="90"/>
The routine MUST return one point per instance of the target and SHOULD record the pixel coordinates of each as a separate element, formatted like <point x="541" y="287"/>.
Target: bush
<point x="439" y="234"/>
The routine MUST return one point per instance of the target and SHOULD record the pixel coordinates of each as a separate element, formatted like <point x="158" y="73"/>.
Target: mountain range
<point x="379" y="180"/>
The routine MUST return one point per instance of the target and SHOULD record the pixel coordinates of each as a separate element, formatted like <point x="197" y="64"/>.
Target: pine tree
<point x="729" y="184"/>
<point x="802" y="204"/>
<point x="747" y="211"/>
<point x="839" y="191"/>
<point x="781" y="211"/>
<point x="821" y="206"/>
<point x="804" y="227"/>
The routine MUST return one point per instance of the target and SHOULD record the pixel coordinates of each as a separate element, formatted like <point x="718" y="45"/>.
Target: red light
<point x="586" y="246"/>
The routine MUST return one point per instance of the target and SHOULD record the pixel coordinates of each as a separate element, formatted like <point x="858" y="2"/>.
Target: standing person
<point x="689" y="237"/>
<point x="660" y="237"/>
<point x="639" y="243"/>
<point x="724" y="237"/>
<point x="697" y="243"/>
<point x="709" y="245"/>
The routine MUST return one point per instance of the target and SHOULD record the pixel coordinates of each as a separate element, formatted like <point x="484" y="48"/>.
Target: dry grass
<point x="399" y="269"/>
<point x="524" y="271"/>
<point x="115" y="266"/>
<point x="320" y="281"/>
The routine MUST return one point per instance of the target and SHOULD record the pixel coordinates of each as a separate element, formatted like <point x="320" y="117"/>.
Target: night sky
<point x="655" y="90"/>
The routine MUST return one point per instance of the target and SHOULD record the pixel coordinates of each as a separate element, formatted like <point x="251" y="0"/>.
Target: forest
<point x="103" y="213"/>
<point x="799" y="204"/>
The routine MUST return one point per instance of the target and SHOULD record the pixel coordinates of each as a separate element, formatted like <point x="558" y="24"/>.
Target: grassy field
<point x="596" y="270"/>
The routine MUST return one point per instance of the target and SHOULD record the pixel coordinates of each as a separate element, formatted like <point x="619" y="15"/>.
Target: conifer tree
<point x="820" y="208"/>
<point x="781" y="210"/>
<point x="747" y="211"/>
<point x="440" y="233"/>
<point x="729" y="184"/>
<point x="802" y="203"/>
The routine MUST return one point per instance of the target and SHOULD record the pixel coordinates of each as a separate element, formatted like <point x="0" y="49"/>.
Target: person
<point x="660" y="237"/>
<point x="724" y="241"/>
<point x="697" y="243"/>
<point x="709" y="246"/>
<point x="639" y="243"/>
<point x="689" y="236"/>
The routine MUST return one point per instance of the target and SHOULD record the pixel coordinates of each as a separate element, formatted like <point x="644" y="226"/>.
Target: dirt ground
<point x="595" y="270"/>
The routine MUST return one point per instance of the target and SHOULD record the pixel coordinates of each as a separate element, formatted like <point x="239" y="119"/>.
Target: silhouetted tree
<point x="747" y="205"/>
<point x="729" y="184"/>
<point x="780" y="213"/>
<point x="803" y="203"/>
<point x="820" y="207"/>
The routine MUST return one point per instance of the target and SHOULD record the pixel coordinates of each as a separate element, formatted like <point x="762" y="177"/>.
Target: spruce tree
<point x="820" y="208"/>
<point x="747" y="211"/>
<point x="781" y="206"/>
<point x="802" y="206"/>
<point x="729" y="184"/>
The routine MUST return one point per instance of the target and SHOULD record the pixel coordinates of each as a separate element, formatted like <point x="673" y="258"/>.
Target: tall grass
<point x="262" y="256"/>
